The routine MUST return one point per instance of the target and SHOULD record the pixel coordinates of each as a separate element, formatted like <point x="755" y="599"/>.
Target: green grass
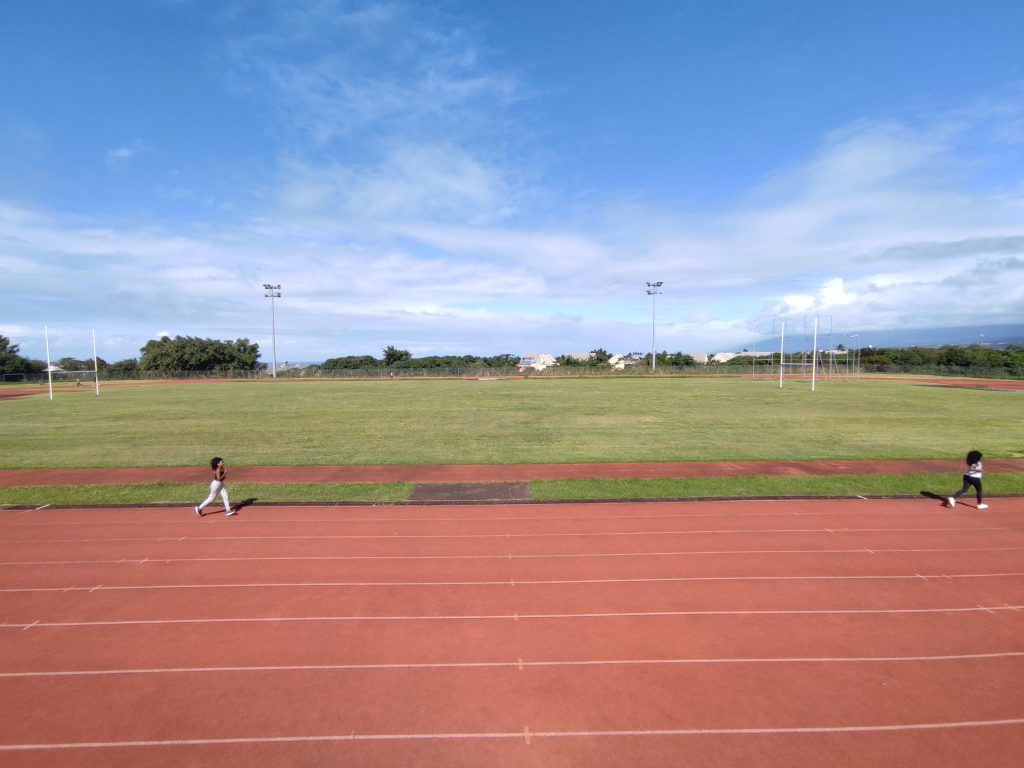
<point x="189" y="494"/>
<point x="754" y="486"/>
<point x="496" y="422"/>
<point x="523" y="421"/>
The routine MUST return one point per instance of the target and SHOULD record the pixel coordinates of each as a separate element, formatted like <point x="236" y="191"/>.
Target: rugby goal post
<point x="802" y="365"/>
<point x="76" y="376"/>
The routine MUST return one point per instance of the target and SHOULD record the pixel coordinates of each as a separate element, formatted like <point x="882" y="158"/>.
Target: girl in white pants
<point x="217" y="485"/>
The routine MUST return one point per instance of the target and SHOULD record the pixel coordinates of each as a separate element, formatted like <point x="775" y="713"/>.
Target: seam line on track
<point x="354" y="737"/>
<point x="994" y="609"/>
<point x="515" y="582"/>
<point x="518" y="664"/>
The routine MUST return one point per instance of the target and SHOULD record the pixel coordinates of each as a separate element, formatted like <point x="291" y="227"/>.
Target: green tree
<point x="678" y="359"/>
<point x="394" y="356"/>
<point x="501" y="361"/>
<point x="123" y="369"/>
<point x="74" y="364"/>
<point x="187" y="353"/>
<point x="351" y="362"/>
<point x="12" y="362"/>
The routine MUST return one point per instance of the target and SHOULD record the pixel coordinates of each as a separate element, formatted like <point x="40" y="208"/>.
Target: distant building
<point x="621" y="362"/>
<point x="725" y="357"/>
<point x="536" y="361"/>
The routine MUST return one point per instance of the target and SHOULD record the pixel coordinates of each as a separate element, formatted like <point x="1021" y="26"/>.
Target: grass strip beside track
<point x="189" y="494"/>
<point x="753" y="486"/>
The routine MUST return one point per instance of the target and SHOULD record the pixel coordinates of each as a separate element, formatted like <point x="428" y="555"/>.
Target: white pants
<point x="216" y="486"/>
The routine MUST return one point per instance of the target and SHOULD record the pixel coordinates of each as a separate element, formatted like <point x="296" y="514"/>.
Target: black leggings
<point x="968" y="483"/>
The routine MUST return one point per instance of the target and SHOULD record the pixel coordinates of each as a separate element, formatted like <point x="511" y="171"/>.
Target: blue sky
<point x="484" y="177"/>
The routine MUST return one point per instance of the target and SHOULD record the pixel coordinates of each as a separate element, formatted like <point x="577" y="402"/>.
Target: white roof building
<point x="538" y="361"/>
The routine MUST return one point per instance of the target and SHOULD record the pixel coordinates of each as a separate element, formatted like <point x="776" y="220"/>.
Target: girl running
<point x="217" y="485"/>
<point x="972" y="479"/>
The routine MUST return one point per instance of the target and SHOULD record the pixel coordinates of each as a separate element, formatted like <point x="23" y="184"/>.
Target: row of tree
<point x="402" y="358"/>
<point x="975" y="356"/>
<point x="182" y="353"/>
<point x="188" y="353"/>
<point x="1007" y="361"/>
<point x="599" y="358"/>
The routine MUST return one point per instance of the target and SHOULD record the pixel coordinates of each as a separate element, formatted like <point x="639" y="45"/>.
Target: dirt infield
<point x="486" y="473"/>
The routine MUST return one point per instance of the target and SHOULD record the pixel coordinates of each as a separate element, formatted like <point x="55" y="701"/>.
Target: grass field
<point x="519" y="421"/>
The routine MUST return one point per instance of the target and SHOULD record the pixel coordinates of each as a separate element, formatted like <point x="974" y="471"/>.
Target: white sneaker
<point x="951" y="502"/>
<point x="230" y="512"/>
<point x="198" y="511"/>
<point x="983" y="506"/>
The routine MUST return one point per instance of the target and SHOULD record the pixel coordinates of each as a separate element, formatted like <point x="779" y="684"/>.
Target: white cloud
<point x="119" y="157"/>
<point x="382" y="69"/>
<point x="394" y="215"/>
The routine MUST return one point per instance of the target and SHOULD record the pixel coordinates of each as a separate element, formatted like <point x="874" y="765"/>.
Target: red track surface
<point x="769" y="633"/>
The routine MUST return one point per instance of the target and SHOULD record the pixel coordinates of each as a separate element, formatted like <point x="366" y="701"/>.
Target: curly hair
<point x="973" y="457"/>
<point x="217" y="460"/>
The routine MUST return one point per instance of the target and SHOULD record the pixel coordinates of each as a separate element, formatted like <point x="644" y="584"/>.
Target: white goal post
<point x="76" y="376"/>
<point x="817" y="361"/>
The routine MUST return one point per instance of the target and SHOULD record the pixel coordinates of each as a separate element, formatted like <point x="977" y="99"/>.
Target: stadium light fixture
<point x="653" y="291"/>
<point x="272" y="292"/>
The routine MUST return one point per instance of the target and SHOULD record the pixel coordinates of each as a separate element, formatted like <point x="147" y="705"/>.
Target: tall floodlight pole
<point x="652" y="290"/>
<point x="273" y="291"/>
<point x="49" y="366"/>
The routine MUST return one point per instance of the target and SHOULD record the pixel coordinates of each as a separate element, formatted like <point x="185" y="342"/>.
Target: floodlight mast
<point x="652" y="290"/>
<point x="272" y="292"/>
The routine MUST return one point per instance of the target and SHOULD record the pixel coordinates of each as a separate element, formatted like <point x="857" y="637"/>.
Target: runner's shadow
<point x="937" y="497"/>
<point x="244" y="503"/>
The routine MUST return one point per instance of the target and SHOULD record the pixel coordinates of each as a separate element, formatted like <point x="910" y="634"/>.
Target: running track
<point x="768" y="633"/>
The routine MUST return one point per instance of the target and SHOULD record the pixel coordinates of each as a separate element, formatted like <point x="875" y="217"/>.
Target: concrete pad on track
<point x="470" y="492"/>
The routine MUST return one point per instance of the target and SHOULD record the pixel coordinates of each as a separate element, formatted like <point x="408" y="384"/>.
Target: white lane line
<point x="519" y="664"/>
<point x="513" y="616"/>
<point x="510" y="556"/>
<point x="514" y="582"/>
<point x="539" y="535"/>
<point x="291" y="521"/>
<point x="661" y="732"/>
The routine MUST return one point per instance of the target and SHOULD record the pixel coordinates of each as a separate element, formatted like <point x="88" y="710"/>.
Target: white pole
<point x="782" y="353"/>
<point x="652" y="289"/>
<point x="272" y="292"/>
<point x="95" y="364"/>
<point x="49" y="368"/>
<point x="654" y="346"/>
<point x="273" y="333"/>
<point x="814" y="356"/>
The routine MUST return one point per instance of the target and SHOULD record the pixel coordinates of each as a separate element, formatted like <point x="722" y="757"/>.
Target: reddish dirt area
<point x="483" y="473"/>
<point x="1000" y="385"/>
